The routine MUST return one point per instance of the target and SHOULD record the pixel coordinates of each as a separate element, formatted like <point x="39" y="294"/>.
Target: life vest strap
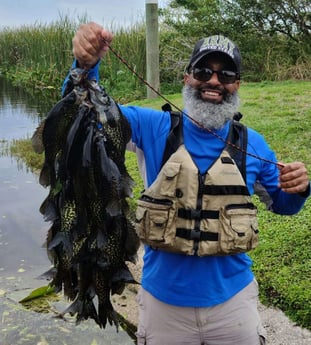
<point x="197" y="214"/>
<point x="225" y="190"/>
<point x="196" y="235"/>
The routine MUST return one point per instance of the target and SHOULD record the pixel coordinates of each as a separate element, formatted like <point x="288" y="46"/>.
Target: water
<point x="22" y="229"/>
<point x="22" y="234"/>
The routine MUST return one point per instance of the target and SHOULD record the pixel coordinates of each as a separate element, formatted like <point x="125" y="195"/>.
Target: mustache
<point x="208" y="86"/>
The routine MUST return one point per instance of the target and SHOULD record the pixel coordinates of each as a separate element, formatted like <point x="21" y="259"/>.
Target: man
<point x="196" y="287"/>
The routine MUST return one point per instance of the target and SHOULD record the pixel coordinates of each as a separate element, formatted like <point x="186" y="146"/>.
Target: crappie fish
<point x="84" y="138"/>
<point x="51" y="133"/>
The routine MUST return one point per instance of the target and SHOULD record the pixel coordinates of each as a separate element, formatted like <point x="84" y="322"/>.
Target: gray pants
<point x="235" y="322"/>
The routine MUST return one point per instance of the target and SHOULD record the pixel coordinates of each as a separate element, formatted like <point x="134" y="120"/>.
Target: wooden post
<point x="152" y="47"/>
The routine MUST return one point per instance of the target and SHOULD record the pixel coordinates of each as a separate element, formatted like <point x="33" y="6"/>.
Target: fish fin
<point x="61" y="238"/>
<point x="132" y="258"/>
<point x="132" y="242"/>
<point x="123" y="275"/>
<point x="101" y="238"/>
<point x="87" y="147"/>
<point x="108" y="167"/>
<point x="117" y="288"/>
<point x="127" y="184"/>
<point x="73" y="133"/>
<point x="45" y="177"/>
<point x="103" y="263"/>
<point x="36" y="139"/>
<point x="70" y="282"/>
<point x="48" y="275"/>
<point x="113" y="208"/>
<point x="126" y="128"/>
<point x="48" y="210"/>
<point x="120" y="278"/>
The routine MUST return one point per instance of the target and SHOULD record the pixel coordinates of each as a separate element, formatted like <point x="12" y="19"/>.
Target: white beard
<point x="206" y="114"/>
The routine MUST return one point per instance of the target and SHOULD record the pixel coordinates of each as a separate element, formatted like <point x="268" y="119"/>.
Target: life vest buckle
<point x="195" y="214"/>
<point x="195" y="235"/>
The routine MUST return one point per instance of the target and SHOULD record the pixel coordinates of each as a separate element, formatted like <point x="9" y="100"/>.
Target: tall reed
<point x="37" y="54"/>
<point x="40" y="55"/>
<point x="130" y="44"/>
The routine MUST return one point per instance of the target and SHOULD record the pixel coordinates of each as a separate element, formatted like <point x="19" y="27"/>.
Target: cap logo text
<point x="219" y="43"/>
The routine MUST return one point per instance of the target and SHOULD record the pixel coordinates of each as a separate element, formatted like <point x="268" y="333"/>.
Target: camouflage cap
<point x="212" y="44"/>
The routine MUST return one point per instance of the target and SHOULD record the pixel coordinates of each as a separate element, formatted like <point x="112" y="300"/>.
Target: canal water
<point x="22" y="234"/>
<point x="22" y="230"/>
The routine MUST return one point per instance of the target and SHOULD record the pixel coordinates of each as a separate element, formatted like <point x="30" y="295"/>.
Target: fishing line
<point x="130" y="68"/>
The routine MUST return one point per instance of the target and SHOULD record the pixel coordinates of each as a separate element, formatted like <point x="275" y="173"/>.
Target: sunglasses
<point x="224" y="76"/>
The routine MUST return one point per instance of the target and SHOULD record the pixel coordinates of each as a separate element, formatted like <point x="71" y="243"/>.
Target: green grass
<point x="282" y="262"/>
<point x="281" y="112"/>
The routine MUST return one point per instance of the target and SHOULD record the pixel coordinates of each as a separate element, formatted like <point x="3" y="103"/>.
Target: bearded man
<point x="196" y="217"/>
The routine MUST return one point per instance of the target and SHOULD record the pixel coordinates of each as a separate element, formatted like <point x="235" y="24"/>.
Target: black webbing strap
<point x="197" y="214"/>
<point x="196" y="235"/>
<point x="175" y="137"/>
<point x="238" y="137"/>
<point x="225" y="190"/>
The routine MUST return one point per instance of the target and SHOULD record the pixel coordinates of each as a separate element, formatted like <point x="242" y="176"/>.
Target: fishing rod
<point x="131" y="69"/>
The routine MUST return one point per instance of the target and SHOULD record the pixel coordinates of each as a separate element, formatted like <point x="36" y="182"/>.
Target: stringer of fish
<point x="91" y="237"/>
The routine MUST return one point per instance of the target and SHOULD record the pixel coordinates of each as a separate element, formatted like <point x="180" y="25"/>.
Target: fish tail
<point x="89" y="310"/>
<point x="57" y="283"/>
<point x="74" y="308"/>
<point x="83" y="309"/>
<point x="70" y="286"/>
<point x="106" y="312"/>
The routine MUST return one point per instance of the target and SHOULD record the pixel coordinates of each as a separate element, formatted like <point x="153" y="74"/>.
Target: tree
<point x="291" y="18"/>
<point x="273" y="35"/>
<point x="196" y="18"/>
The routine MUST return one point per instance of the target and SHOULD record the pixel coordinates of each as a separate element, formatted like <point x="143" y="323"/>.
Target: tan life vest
<point x="193" y="214"/>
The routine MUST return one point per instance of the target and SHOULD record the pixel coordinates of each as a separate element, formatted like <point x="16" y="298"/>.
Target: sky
<point x="15" y="13"/>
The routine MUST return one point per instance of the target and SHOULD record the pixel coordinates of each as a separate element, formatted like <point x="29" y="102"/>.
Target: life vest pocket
<point x="155" y="221"/>
<point x="238" y="228"/>
<point x="167" y="179"/>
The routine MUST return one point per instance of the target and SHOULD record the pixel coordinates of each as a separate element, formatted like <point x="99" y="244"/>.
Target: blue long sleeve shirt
<point x="193" y="281"/>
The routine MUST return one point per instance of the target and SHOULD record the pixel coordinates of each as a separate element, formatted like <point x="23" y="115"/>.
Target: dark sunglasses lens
<point x="202" y="74"/>
<point x="227" y="77"/>
<point x="205" y="74"/>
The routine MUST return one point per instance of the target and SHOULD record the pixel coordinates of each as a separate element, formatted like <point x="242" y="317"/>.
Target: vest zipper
<point x="197" y="223"/>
